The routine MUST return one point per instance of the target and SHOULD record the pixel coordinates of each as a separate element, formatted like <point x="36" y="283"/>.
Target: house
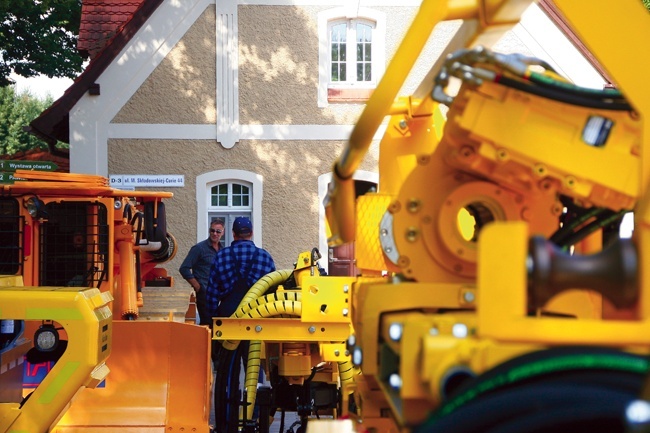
<point x="240" y="107"/>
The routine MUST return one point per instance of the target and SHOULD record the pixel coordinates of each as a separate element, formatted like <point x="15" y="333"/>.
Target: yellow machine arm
<point x="495" y="218"/>
<point x="86" y="320"/>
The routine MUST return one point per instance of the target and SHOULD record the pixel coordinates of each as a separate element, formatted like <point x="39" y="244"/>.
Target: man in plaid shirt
<point x="235" y="269"/>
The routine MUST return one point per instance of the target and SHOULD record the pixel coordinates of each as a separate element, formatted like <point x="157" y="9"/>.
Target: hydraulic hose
<point x="270" y="309"/>
<point x="273" y="308"/>
<point x="536" y="390"/>
<point x="263" y="284"/>
<point x="252" y="373"/>
<point x="347" y="371"/>
<point x="271" y="297"/>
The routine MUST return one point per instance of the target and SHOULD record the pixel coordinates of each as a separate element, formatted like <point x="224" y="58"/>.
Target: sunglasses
<point x="216" y="231"/>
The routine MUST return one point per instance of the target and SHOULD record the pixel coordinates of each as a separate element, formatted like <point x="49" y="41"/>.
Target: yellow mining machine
<point x="82" y="349"/>
<point x="535" y="315"/>
<point x="296" y="322"/>
<point x="495" y="293"/>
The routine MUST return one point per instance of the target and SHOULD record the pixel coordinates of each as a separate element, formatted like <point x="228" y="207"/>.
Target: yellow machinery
<point x="297" y="322"/>
<point x="77" y="257"/>
<point x="511" y="303"/>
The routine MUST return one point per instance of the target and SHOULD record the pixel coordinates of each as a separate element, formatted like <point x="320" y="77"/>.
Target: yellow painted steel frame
<point x="500" y="328"/>
<point x="86" y="318"/>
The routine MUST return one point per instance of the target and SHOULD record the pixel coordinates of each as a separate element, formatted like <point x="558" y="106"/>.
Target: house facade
<point x="241" y="107"/>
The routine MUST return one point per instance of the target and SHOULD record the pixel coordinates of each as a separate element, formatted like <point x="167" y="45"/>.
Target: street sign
<point x="8" y="177"/>
<point x="13" y="165"/>
<point x="148" y="180"/>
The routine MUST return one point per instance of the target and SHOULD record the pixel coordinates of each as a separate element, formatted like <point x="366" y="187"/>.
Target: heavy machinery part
<point x="86" y="318"/>
<point x="158" y="372"/>
<point x="303" y="353"/>
<point x="64" y="229"/>
<point x="516" y="148"/>
<point x="339" y="203"/>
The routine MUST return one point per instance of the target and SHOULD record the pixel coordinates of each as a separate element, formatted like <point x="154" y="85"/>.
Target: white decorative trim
<point x="205" y="181"/>
<point x="247" y="132"/>
<point x="227" y="42"/>
<point x="323" y="183"/>
<point x="91" y="115"/>
<point x="555" y="48"/>
<point x="350" y="11"/>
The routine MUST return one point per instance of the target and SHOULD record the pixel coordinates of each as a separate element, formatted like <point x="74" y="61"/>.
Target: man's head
<point x="216" y="230"/>
<point x="242" y="228"/>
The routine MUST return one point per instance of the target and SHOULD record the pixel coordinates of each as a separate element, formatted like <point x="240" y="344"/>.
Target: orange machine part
<point x="158" y="382"/>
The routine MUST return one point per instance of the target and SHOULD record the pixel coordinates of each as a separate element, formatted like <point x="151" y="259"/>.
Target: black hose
<point x="561" y="96"/>
<point x="597" y="383"/>
<point x="226" y="390"/>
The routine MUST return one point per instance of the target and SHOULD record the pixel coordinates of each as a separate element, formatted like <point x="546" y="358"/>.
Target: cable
<point x="547" y="382"/>
<point x="557" y="95"/>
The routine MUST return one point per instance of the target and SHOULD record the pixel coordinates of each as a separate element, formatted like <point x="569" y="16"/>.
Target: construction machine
<point x="91" y="340"/>
<point x="511" y="302"/>
<point x="495" y="291"/>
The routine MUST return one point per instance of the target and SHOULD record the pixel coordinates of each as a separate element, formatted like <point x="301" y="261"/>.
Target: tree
<point x="16" y="111"/>
<point x="39" y="37"/>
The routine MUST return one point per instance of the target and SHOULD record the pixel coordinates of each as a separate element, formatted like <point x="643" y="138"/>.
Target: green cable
<point x="543" y="367"/>
<point x="545" y="80"/>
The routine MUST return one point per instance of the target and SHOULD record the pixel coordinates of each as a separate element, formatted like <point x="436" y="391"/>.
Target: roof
<point x="62" y="162"/>
<point x="100" y="21"/>
<point x="53" y="124"/>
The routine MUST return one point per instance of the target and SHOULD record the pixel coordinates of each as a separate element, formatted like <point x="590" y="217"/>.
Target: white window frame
<point x="204" y="184"/>
<point x="349" y="14"/>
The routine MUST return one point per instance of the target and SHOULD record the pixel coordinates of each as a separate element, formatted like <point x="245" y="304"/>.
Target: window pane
<point x="219" y="195"/>
<point x="342" y="73"/>
<point x="359" y="71"/>
<point x="240" y="195"/>
<point x="364" y="33"/>
<point x="368" y="73"/>
<point x="367" y="55"/>
<point x="339" y="33"/>
<point x="335" y="72"/>
<point x="338" y="39"/>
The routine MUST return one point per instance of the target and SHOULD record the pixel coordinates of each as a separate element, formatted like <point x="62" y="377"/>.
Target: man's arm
<point x="186" y="268"/>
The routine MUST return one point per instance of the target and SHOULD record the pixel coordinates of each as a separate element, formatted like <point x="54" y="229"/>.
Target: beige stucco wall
<point x="290" y="171"/>
<point x="182" y="89"/>
<point x="278" y="80"/>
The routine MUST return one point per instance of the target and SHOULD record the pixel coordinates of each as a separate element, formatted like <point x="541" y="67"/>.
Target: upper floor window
<point x="354" y="37"/>
<point x="351" y="55"/>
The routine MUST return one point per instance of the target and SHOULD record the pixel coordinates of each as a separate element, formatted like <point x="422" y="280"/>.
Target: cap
<point x="242" y="226"/>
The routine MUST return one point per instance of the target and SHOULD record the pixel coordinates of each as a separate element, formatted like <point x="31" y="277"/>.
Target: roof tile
<point x="100" y="19"/>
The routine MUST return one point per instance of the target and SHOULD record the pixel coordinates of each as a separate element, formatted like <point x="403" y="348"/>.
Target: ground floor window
<point x="224" y="195"/>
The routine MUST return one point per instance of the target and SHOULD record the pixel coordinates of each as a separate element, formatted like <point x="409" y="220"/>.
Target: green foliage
<point x="17" y="111"/>
<point x="39" y="37"/>
<point x="646" y="3"/>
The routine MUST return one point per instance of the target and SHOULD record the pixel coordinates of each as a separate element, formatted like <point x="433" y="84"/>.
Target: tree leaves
<point x="16" y="112"/>
<point x="39" y="37"/>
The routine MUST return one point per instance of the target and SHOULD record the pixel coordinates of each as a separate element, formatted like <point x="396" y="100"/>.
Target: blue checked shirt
<point x="224" y="271"/>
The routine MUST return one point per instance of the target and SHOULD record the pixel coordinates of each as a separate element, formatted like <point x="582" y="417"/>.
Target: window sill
<point x="348" y="95"/>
